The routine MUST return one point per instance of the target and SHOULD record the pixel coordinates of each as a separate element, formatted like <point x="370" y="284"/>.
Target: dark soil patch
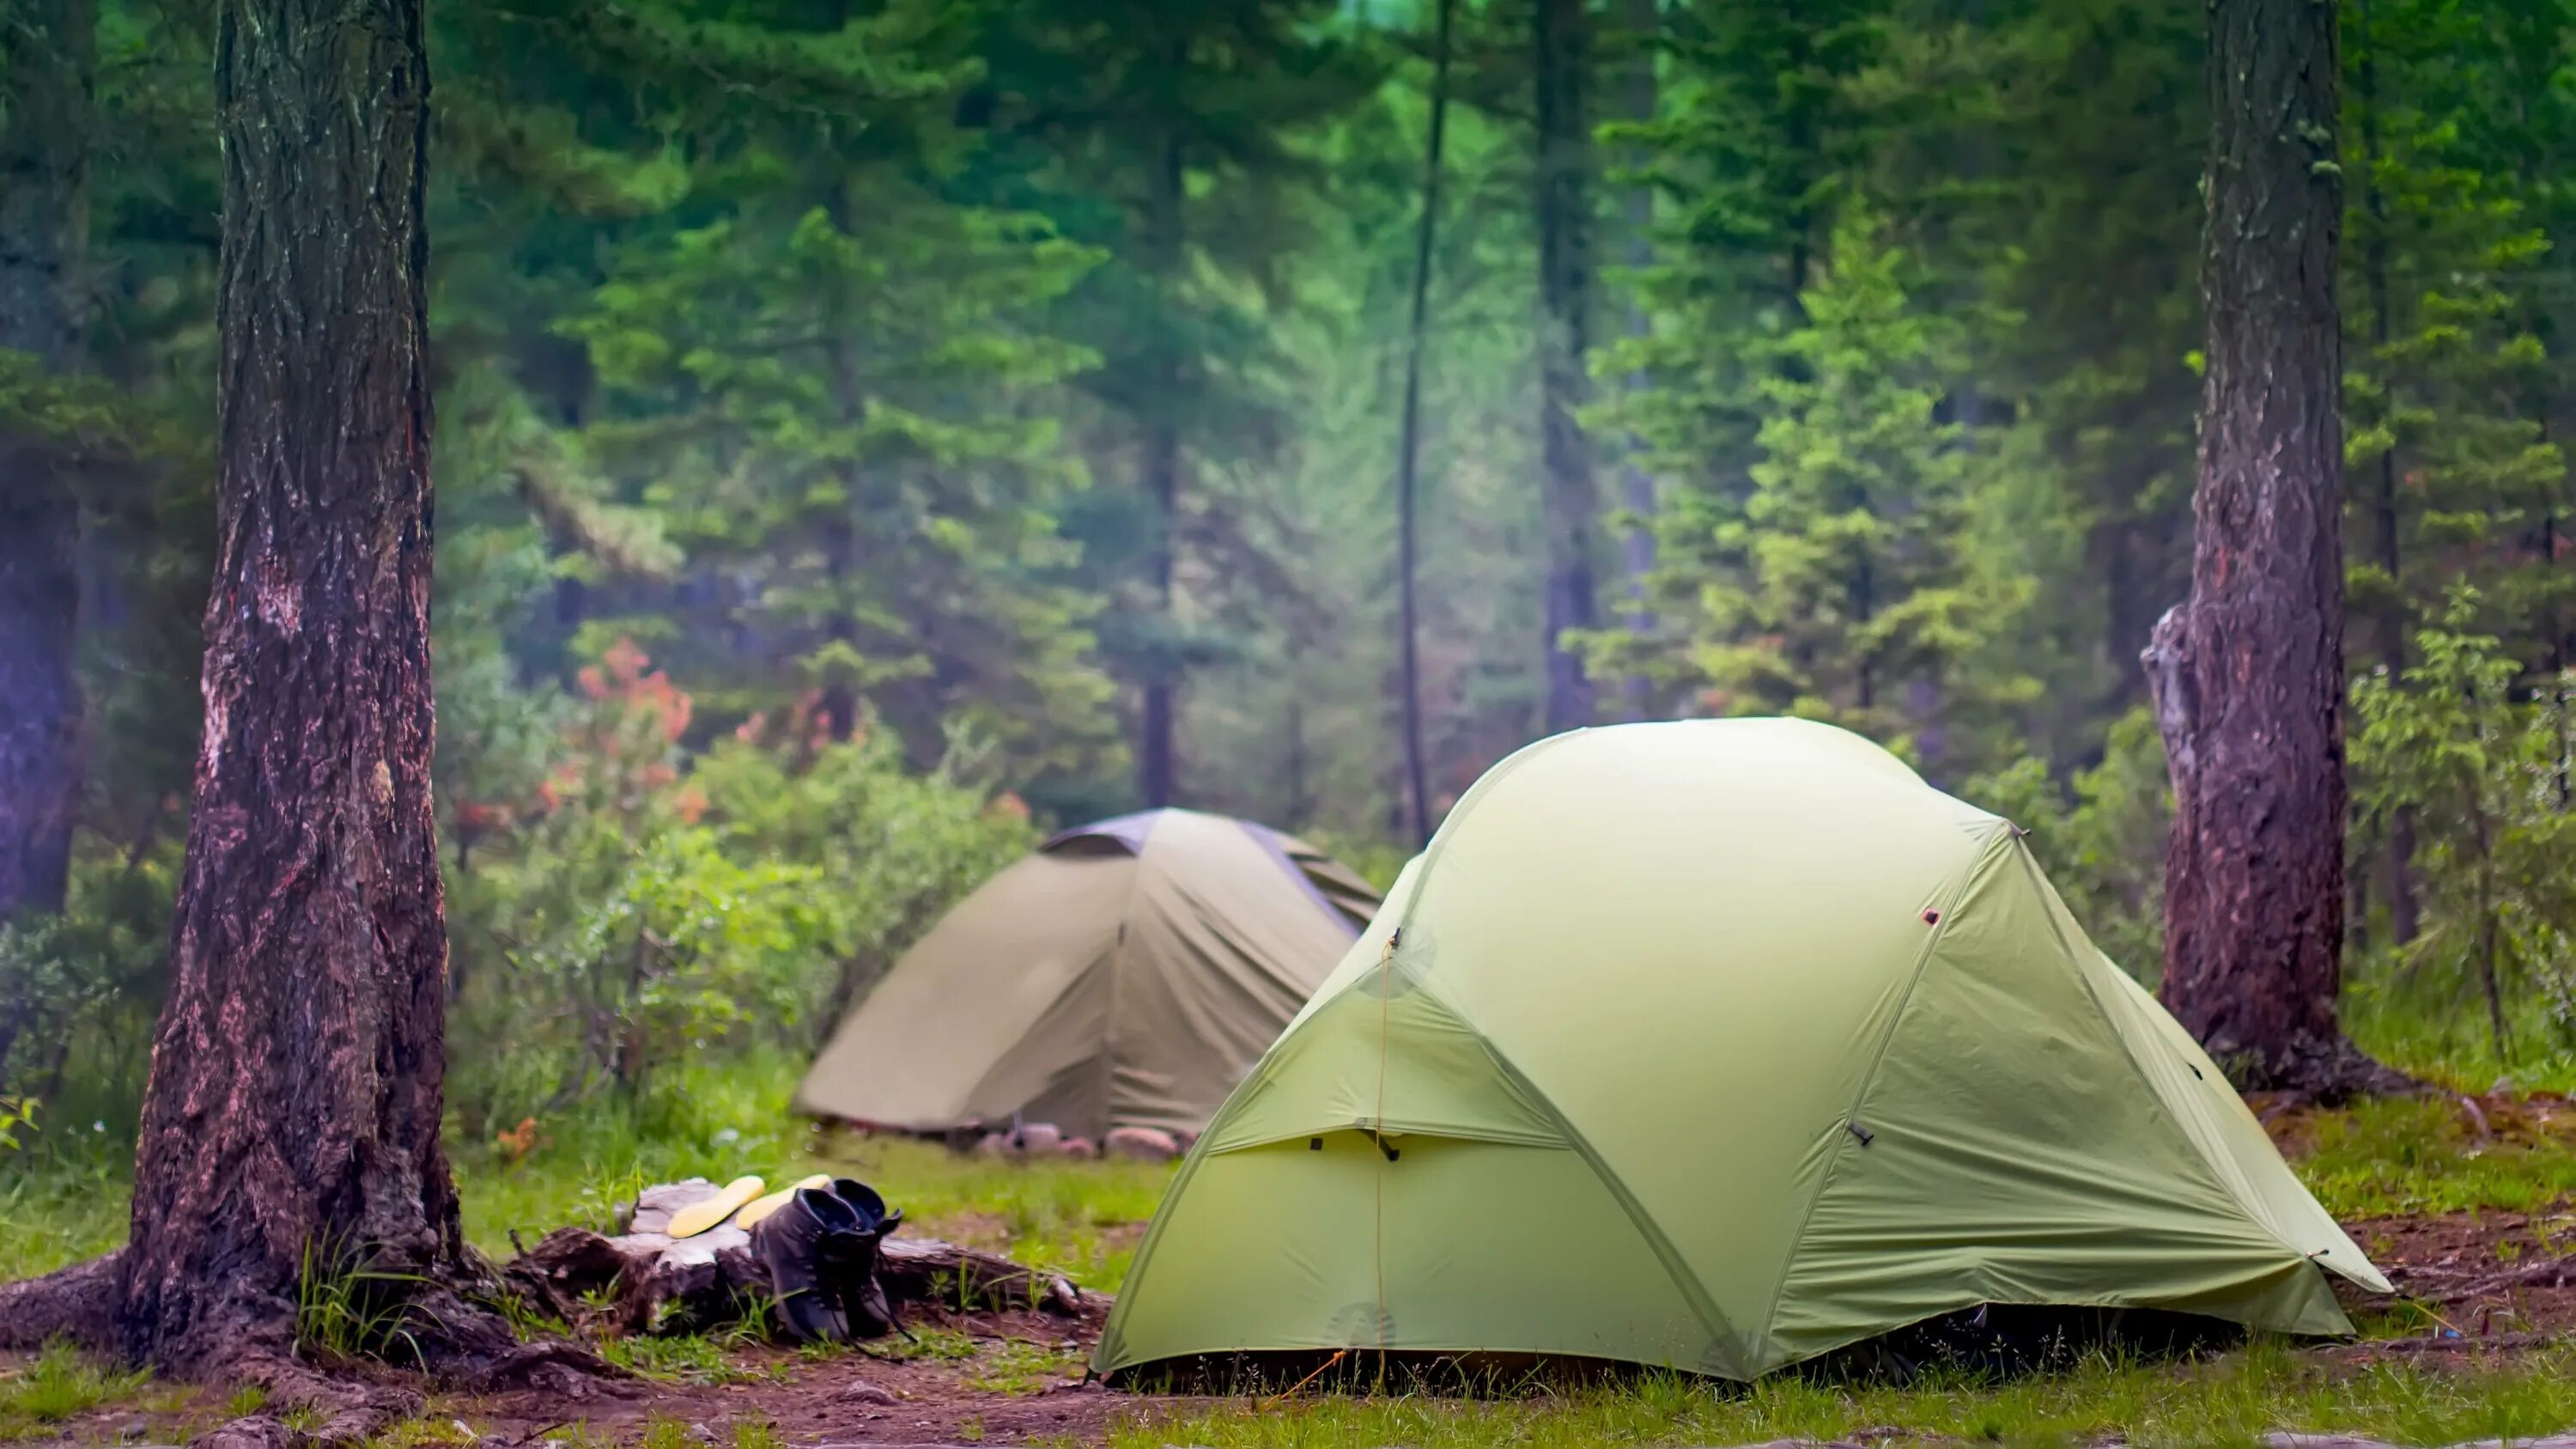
<point x="985" y="1378"/>
<point x="2478" y="1274"/>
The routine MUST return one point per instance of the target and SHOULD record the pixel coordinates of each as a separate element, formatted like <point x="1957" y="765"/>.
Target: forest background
<point x="869" y="434"/>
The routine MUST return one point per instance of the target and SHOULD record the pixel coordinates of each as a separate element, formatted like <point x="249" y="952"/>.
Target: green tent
<point x="1124" y="975"/>
<point x="1717" y="1045"/>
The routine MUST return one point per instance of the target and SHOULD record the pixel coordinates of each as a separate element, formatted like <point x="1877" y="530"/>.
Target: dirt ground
<point x="1024" y="1380"/>
<point x="1012" y="1378"/>
<point x="2476" y="1274"/>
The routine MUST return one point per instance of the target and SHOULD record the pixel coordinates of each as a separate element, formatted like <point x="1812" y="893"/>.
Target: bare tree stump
<point x="646" y="1281"/>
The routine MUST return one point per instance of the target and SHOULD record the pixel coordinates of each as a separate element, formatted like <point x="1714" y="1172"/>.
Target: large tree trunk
<point x="1561" y="49"/>
<point x="2248" y="673"/>
<point x="52" y="50"/>
<point x="293" y="1110"/>
<point x="1417" y="778"/>
<point x="1157" y="762"/>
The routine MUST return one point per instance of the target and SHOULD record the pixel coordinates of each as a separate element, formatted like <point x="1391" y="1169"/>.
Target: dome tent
<point x="1718" y="1045"/>
<point x="1123" y="975"/>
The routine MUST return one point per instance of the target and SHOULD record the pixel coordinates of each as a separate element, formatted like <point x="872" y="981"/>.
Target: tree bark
<point x="2248" y="672"/>
<point x="1157" y="761"/>
<point x="292" y="1114"/>
<point x="52" y="50"/>
<point x="1417" y="778"/>
<point x="1561" y="54"/>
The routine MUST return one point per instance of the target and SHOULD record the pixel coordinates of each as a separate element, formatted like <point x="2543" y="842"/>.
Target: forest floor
<point x="2468" y="1202"/>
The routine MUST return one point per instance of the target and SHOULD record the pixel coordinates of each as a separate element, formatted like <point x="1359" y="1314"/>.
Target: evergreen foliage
<point x="1006" y="392"/>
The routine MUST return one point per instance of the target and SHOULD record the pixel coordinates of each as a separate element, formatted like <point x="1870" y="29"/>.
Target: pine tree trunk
<point x="2248" y="672"/>
<point x="2403" y="921"/>
<point x="1564" y="199"/>
<point x="52" y="50"/>
<point x="1157" y="762"/>
<point x="1417" y="778"/>
<point x="1636" y="485"/>
<point x="297" y="1073"/>
<point x="838" y="706"/>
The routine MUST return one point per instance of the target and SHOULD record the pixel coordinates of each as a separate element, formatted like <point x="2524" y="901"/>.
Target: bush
<point x="2480" y="765"/>
<point x="645" y="906"/>
<point x="2101" y="837"/>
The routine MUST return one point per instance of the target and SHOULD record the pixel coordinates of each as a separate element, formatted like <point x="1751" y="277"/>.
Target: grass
<point x="65" y="1201"/>
<point x="1019" y="1367"/>
<point x="2224" y="1402"/>
<point x="61" y="1206"/>
<point x="686" y="1359"/>
<point x="2399" y="1156"/>
<point x="1074" y="1218"/>
<point x="53" y="1386"/>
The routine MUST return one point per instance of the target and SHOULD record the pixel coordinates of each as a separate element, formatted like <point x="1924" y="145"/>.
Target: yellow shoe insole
<point x="759" y="1208"/>
<point x="699" y="1216"/>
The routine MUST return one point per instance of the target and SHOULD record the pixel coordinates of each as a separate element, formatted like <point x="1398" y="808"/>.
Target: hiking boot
<point x="804" y="1245"/>
<point x="852" y="1269"/>
<point x="869" y="1204"/>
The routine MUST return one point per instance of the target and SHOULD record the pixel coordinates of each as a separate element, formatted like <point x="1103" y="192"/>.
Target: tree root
<point x="351" y="1410"/>
<point x="356" y="1403"/>
<point x="2327" y="1075"/>
<point x="451" y="1337"/>
<point x="77" y="1303"/>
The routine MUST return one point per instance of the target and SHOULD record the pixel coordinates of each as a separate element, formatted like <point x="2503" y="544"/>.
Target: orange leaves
<point x="515" y="1144"/>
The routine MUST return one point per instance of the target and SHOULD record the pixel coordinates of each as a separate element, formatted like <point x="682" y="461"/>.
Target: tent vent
<point x="1931" y="918"/>
<point x="1314" y="1144"/>
<point x="1864" y="1134"/>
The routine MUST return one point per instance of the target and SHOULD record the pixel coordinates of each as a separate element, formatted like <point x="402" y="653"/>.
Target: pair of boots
<point x="821" y="1251"/>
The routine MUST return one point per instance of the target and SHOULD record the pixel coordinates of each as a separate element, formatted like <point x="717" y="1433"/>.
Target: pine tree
<point x="292" y="1123"/>
<point x="2248" y="672"/>
<point x="1167" y="132"/>
<point x="1842" y="592"/>
<point x="2446" y="470"/>
<point x="48" y="64"/>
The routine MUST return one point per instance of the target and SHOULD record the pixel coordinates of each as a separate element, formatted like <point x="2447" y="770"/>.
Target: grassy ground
<point x="2227" y="1401"/>
<point x="66" y="1200"/>
<point x="2429" y="1155"/>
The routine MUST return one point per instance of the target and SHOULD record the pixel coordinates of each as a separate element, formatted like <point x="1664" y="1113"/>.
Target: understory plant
<point x="648" y="904"/>
<point x="2478" y="756"/>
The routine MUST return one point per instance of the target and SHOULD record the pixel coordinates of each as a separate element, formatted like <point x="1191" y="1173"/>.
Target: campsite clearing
<point x="1004" y="1380"/>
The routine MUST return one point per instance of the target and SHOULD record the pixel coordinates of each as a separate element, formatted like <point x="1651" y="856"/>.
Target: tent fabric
<point x="1124" y="975"/>
<point x="1717" y="1045"/>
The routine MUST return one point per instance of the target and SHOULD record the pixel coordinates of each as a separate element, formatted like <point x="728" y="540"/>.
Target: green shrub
<point x="2101" y="837"/>
<point x="646" y="906"/>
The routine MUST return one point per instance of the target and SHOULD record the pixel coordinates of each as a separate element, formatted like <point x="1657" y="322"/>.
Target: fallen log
<point x="645" y="1281"/>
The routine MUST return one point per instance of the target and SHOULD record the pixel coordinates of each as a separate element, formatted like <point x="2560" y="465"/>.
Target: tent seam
<point x="1676" y="1267"/>
<point x="1948" y="914"/>
<point x="2164" y="1108"/>
<point x="1273" y="845"/>
<point x="1117" y="974"/>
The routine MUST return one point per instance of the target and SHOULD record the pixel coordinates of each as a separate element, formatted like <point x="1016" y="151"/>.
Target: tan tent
<point x="1125" y="975"/>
